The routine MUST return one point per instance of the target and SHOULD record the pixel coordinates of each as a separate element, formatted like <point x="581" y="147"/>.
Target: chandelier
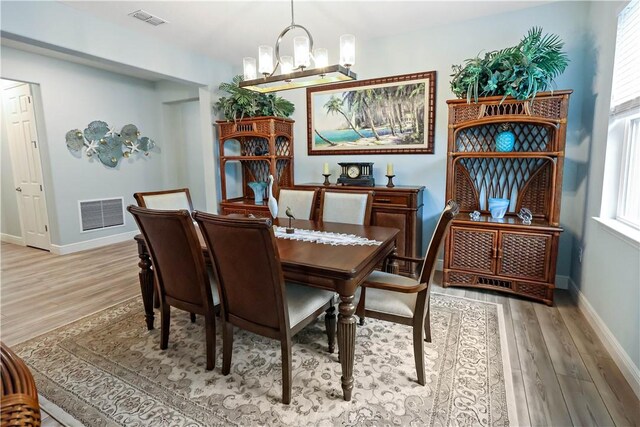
<point x="296" y="71"/>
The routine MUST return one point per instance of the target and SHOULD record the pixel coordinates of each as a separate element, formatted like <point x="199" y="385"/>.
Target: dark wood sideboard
<point x="398" y="207"/>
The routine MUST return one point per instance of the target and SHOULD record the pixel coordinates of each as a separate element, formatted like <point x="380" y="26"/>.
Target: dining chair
<point x="404" y="300"/>
<point x="181" y="275"/>
<point x="179" y="198"/>
<point x="347" y="207"/>
<point x="301" y="202"/>
<point x="253" y="293"/>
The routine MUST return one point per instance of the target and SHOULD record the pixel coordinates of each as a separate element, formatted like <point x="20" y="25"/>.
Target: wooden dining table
<point x="339" y="268"/>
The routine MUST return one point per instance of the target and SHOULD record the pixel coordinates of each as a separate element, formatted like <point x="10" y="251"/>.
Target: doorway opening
<point x="24" y="209"/>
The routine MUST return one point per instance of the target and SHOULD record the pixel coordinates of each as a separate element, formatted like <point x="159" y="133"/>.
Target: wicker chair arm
<point x="19" y="401"/>
<point x="396" y="288"/>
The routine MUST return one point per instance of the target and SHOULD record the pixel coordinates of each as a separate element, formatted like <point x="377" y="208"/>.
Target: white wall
<point x="72" y="96"/>
<point x="9" y="217"/>
<point x="437" y="49"/>
<point x="182" y="127"/>
<point x="609" y="276"/>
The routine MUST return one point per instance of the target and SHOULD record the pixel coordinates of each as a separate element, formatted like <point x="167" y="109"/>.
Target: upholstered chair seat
<point x="165" y="200"/>
<point x="303" y="300"/>
<point x="391" y="302"/>
<point x="346" y="207"/>
<point x="300" y="202"/>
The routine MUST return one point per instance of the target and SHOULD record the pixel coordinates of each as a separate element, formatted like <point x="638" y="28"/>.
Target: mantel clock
<point x="356" y="173"/>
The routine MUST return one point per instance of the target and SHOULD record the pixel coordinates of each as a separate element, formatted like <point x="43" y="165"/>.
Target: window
<point x="623" y="143"/>
<point x="628" y="210"/>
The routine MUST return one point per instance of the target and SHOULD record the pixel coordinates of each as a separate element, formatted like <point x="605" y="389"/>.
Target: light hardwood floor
<point x="561" y="372"/>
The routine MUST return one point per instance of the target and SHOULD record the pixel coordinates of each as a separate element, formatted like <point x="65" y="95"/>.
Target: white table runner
<point x="325" y="237"/>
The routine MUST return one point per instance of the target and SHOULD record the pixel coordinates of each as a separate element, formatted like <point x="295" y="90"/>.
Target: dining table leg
<point x="347" y="342"/>
<point x="146" y="283"/>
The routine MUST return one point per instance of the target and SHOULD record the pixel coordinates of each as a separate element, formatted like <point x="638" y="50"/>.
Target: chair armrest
<point x="386" y="266"/>
<point x="406" y="258"/>
<point x="395" y="288"/>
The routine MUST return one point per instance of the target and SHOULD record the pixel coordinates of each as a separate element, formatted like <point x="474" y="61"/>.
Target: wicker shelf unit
<point x="505" y="254"/>
<point x="262" y="146"/>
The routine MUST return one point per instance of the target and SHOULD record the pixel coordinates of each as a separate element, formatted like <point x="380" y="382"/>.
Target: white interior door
<point x="27" y="169"/>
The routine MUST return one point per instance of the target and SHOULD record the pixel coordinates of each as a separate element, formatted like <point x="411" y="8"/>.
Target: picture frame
<point x="388" y="115"/>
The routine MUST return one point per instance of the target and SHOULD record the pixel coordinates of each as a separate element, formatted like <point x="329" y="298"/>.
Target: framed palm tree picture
<point x="389" y="115"/>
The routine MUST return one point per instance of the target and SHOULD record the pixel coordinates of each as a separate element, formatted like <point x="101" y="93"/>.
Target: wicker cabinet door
<point x="473" y="249"/>
<point x="524" y="255"/>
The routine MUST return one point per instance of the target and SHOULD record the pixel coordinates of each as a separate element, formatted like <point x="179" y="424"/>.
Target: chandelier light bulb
<point x="249" y="68"/>
<point x="301" y="52"/>
<point x="347" y="50"/>
<point x="286" y="64"/>
<point x="265" y="63"/>
<point x="321" y="57"/>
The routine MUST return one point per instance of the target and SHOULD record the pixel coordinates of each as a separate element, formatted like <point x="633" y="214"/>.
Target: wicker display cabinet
<point x="506" y="254"/>
<point x="263" y="146"/>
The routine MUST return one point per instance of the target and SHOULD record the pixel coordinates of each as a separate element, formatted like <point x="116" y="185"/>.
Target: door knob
<point x="19" y="189"/>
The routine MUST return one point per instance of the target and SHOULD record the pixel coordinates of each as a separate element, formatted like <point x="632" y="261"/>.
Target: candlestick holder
<point x="326" y="178"/>
<point x="390" y="183"/>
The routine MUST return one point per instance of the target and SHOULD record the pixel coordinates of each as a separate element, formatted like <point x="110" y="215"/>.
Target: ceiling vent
<point x="148" y="18"/>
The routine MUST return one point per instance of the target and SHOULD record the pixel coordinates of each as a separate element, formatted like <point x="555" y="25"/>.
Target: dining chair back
<point x="301" y="203"/>
<point x="404" y="300"/>
<point x="253" y="293"/>
<point x="179" y="198"/>
<point x="181" y="276"/>
<point x="245" y="257"/>
<point x="347" y="207"/>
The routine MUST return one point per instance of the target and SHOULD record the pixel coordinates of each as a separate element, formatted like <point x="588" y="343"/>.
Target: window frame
<point x="628" y="162"/>
<point x="623" y="110"/>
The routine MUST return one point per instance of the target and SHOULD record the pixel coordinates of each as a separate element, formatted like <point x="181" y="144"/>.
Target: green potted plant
<point x="242" y="103"/>
<point x="520" y="71"/>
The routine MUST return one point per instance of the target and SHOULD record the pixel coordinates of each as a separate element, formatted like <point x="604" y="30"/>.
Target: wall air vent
<point x="99" y="214"/>
<point x="148" y="18"/>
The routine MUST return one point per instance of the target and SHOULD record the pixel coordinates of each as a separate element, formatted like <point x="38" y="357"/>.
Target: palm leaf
<point x="520" y="71"/>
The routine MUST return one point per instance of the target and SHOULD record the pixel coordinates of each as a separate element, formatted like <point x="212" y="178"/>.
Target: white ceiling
<point x="230" y="30"/>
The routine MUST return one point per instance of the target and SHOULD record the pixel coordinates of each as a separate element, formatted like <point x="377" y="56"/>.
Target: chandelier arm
<point x="282" y="34"/>
<point x="292" y="21"/>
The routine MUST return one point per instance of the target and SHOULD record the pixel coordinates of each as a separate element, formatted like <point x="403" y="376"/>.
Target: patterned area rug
<point x="107" y="369"/>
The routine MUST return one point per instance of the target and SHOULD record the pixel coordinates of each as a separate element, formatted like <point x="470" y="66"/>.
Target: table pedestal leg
<point x="146" y="285"/>
<point x="347" y="342"/>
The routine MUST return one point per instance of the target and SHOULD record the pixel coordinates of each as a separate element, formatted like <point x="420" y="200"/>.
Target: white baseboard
<point x="93" y="243"/>
<point x="629" y="370"/>
<point x="10" y="238"/>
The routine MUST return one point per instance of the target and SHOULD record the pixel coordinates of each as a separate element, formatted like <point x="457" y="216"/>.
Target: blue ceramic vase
<point x="258" y="191"/>
<point x="505" y="140"/>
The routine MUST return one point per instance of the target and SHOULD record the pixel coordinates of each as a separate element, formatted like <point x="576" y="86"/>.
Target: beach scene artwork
<point x="377" y="118"/>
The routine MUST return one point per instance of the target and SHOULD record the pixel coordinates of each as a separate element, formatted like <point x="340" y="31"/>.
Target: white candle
<point x="325" y="170"/>
<point x="389" y="168"/>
